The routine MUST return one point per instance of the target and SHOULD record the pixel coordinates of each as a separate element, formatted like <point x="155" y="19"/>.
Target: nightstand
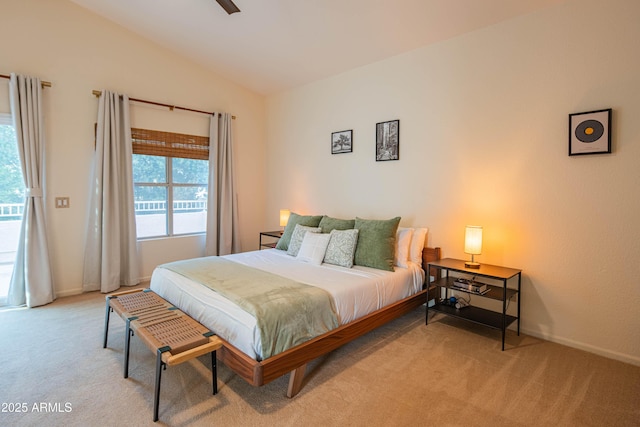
<point x="503" y="292"/>
<point x="269" y="235"/>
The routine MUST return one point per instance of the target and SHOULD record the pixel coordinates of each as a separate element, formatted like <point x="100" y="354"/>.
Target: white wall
<point x="483" y="140"/>
<point x="78" y="52"/>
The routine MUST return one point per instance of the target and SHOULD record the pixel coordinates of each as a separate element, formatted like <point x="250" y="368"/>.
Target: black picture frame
<point x="388" y="140"/>
<point x="342" y="142"/>
<point x="590" y="132"/>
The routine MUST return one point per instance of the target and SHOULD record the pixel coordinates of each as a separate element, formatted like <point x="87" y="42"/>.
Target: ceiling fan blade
<point x="228" y="6"/>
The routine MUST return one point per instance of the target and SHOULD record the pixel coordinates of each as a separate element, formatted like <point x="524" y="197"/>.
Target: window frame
<point x="170" y="146"/>
<point x="6" y="119"/>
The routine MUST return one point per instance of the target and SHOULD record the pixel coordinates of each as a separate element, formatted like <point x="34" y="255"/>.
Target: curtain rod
<point x="42" y="83"/>
<point x="97" y="93"/>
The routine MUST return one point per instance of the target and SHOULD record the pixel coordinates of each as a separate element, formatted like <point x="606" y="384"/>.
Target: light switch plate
<point x="62" y="202"/>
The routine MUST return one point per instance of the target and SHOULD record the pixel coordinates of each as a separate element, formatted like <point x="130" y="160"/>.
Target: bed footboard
<point x="260" y="373"/>
<point x="294" y="360"/>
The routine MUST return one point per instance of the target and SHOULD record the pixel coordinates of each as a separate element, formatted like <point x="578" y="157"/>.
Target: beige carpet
<point x="448" y="373"/>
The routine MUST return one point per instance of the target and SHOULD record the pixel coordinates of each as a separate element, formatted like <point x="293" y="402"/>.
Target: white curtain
<point x="32" y="280"/>
<point x="111" y="257"/>
<point x="222" y="206"/>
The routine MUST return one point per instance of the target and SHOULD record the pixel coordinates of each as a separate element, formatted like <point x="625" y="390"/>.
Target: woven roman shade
<point x="169" y="144"/>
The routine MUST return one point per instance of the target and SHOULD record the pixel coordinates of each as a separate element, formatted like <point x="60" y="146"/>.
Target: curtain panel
<point x="111" y="255"/>
<point x="222" y="212"/>
<point x="32" y="279"/>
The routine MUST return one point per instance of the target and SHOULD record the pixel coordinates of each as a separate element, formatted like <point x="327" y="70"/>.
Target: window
<point x="11" y="202"/>
<point x="170" y="175"/>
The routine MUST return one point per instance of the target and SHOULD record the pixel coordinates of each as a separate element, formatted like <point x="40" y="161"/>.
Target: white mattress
<point x="356" y="292"/>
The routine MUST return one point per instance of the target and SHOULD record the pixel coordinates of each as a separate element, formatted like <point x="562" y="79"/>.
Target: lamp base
<point x="471" y="264"/>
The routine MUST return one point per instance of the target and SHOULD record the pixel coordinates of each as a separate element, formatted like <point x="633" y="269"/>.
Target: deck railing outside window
<point x="11" y="210"/>
<point x="153" y="206"/>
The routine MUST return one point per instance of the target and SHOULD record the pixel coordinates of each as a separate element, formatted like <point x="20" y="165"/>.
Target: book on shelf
<point x="470" y="286"/>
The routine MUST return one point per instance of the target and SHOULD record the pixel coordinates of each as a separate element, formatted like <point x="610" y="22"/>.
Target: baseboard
<point x="68" y="292"/>
<point x="144" y="281"/>
<point x="626" y="358"/>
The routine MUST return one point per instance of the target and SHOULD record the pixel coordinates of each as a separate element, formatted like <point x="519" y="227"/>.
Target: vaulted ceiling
<point x="274" y="45"/>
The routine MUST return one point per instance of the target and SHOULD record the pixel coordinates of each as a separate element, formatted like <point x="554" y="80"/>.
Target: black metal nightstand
<point x="500" y="292"/>
<point x="271" y="235"/>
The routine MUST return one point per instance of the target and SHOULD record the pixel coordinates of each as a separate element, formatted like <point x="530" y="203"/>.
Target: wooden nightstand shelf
<point x="492" y="319"/>
<point x="270" y="235"/>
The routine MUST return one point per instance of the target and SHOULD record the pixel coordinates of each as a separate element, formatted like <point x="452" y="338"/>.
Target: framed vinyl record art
<point x="590" y="132"/>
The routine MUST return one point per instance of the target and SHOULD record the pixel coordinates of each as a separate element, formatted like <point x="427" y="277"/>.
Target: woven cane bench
<point x="170" y="333"/>
<point x="132" y="305"/>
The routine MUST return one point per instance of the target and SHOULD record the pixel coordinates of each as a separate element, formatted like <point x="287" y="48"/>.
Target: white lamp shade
<point x="473" y="240"/>
<point x="284" y="217"/>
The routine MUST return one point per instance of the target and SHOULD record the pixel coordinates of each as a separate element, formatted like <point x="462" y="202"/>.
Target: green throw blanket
<point x="287" y="313"/>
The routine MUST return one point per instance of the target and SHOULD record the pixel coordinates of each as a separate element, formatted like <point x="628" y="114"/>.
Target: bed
<point x="362" y="297"/>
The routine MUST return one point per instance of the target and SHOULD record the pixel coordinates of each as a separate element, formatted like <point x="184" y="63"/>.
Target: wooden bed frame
<point x="295" y="360"/>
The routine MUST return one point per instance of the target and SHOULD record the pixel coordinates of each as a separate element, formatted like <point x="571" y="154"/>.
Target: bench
<point x="168" y="332"/>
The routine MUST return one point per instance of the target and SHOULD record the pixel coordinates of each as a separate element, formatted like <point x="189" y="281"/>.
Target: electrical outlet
<point x="62" y="202"/>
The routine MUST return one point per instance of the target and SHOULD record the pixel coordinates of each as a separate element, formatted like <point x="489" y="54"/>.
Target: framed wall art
<point x="590" y="132"/>
<point x="388" y="140"/>
<point x="342" y="142"/>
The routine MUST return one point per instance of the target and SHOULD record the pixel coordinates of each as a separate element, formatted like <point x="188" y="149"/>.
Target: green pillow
<point x="327" y="224"/>
<point x="294" y="218"/>
<point x="376" y="242"/>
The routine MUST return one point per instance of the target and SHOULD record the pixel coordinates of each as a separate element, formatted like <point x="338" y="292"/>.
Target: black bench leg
<point x="106" y="324"/>
<point x="214" y="372"/>
<point x="128" y="333"/>
<point x="156" y="398"/>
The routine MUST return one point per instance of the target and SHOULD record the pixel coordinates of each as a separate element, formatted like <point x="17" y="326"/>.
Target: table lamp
<point x="472" y="244"/>
<point x="284" y="217"/>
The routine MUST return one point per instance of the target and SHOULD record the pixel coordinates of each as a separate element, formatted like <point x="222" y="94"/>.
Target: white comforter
<point x="356" y="292"/>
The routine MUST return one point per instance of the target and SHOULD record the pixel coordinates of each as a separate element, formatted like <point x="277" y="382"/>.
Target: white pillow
<point x="314" y="246"/>
<point x="403" y="242"/>
<point x="296" y="237"/>
<point x="342" y="247"/>
<point x="417" y="245"/>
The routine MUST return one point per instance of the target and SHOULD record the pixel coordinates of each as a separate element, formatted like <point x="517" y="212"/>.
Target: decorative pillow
<point x="297" y="236"/>
<point x="417" y="245"/>
<point x="403" y="241"/>
<point x="294" y="218"/>
<point x="313" y="248"/>
<point x="376" y="242"/>
<point x="342" y="246"/>
<point x="327" y="224"/>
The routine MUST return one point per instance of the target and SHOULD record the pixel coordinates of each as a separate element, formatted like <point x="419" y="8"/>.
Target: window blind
<point x="169" y="144"/>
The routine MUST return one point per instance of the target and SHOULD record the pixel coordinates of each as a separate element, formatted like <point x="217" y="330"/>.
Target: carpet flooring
<point x="54" y="372"/>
